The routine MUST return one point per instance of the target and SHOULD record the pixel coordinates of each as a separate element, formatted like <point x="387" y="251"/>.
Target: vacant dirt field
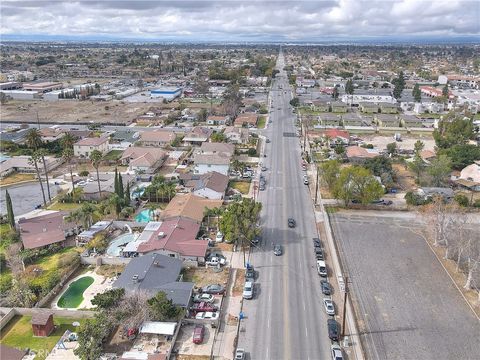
<point x="206" y="276"/>
<point x="114" y="112"/>
<point x="381" y="141"/>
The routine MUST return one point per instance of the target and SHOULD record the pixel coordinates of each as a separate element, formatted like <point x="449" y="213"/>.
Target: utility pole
<point x="38" y="121"/>
<point x="316" y="186"/>
<point x="344" y="306"/>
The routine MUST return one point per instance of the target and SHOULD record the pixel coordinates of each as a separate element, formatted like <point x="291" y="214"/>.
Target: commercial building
<point x="43" y="87"/>
<point x="168" y="93"/>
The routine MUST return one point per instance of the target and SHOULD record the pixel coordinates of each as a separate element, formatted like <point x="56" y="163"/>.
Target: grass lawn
<point x="261" y="122"/>
<point x="18" y="333"/>
<point x="64" y="206"/>
<point x="16" y="177"/>
<point x="113" y="155"/>
<point x="242" y="186"/>
<point x="50" y="262"/>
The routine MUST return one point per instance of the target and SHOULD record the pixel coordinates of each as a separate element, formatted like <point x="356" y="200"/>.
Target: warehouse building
<point x="168" y="93"/>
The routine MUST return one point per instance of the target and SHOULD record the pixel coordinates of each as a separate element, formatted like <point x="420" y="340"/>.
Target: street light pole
<point x="344" y="306"/>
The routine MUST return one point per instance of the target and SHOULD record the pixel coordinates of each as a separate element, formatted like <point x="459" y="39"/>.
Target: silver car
<point x="329" y="307"/>
<point x="248" y="290"/>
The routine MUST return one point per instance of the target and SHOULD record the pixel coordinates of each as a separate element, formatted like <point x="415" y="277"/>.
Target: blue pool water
<point x="118" y="243"/>
<point x="144" y="216"/>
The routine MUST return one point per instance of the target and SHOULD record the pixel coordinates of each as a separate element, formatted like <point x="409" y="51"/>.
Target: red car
<point x="198" y="334"/>
<point x="203" y="306"/>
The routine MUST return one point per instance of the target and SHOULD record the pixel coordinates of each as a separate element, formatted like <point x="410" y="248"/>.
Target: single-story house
<point x="320" y="105"/>
<point x="246" y="120"/>
<point x="143" y="159"/>
<point x="49" y="227"/>
<point x="53" y="133"/>
<point x="11" y="353"/>
<point x="387" y="120"/>
<point x="368" y="107"/>
<point x="358" y="154"/>
<point x="22" y="164"/>
<point x="217" y="120"/>
<point x="159" y="138"/>
<point x="471" y="172"/>
<point x="107" y="185"/>
<point x="336" y="136"/>
<point x="211" y="185"/>
<point x="205" y="163"/>
<point x="327" y="119"/>
<point x="211" y="148"/>
<point x="236" y="135"/>
<point x="339" y="107"/>
<point x="85" y="146"/>
<point x="197" y="136"/>
<point x="174" y="237"/>
<point x="154" y="273"/>
<point x="388" y="108"/>
<point x="189" y="206"/>
<point x="428" y="192"/>
<point x="352" y="119"/>
<point x="410" y="121"/>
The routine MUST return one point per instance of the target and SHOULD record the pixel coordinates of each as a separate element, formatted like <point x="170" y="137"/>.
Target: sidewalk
<point x="225" y="339"/>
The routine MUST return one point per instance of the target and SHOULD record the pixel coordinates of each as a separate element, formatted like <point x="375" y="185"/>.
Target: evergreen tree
<point x="10" y="216"/>
<point x="445" y="91"/>
<point x="120" y="186"/>
<point x="116" y="182"/>
<point x="127" y="195"/>
<point x="416" y="93"/>
<point x="349" y="89"/>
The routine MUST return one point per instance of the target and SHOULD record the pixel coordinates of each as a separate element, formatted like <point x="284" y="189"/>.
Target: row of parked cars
<point x="332" y="324"/>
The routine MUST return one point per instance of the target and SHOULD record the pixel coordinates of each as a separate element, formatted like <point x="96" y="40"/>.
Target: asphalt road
<point x="286" y="319"/>
<point x="408" y="307"/>
<point x="25" y="197"/>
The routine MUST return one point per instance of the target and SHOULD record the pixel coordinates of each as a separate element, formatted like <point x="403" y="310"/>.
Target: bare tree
<point x="133" y="309"/>
<point x="437" y="218"/>
<point x="14" y="259"/>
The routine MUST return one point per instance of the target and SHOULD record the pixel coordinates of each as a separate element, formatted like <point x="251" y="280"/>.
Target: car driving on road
<point x="277" y="250"/>
<point x="291" y="223"/>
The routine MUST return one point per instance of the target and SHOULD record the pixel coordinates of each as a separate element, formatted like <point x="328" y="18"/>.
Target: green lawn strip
<point x="64" y="206"/>
<point x="261" y="122"/>
<point x="18" y="334"/>
<point x="73" y="297"/>
<point x="113" y="155"/>
<point x="242" y="186"/>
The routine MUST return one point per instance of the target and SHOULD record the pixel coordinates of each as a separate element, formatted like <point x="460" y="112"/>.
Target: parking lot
<point x="408" y="307"/>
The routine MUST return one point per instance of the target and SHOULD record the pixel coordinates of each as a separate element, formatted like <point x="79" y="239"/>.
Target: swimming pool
<point x="119" y="243"/>
<point x="73" y="297"/>
<point x="144" y="216"/>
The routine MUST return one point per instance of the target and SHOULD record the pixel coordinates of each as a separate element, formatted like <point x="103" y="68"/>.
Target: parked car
<point x="277" y="250"/>
<point x="213" y="289"/>
<point x="305" y="181"/>
<point x="326" y="288"/>
<point x="217" y="255"/>
<point x="240" y="354"/>
<point x="250" y="273"/>
<point x="215" y="261"/>
<point x="336" y="352"/>
<point x="333" y="329"/>
<point x="198" y="334"/>
<point x="268" y="140"/>
<point x="208" y="315"/>
<point x="261" y="187"/>
<point x="219" y="237"/>
<point x="316" y="242"/>
<point x="257" y="239"/>
<point x="321" y="268"/>
<point x="248" y="290"/>
<point x="291" y="223"/>
<point x="203" y="307"/>
<point x="329" y="307"/>
<point x="318" y="253"/>
<point x="209" y="298"/>
<point x="264" y="168"/>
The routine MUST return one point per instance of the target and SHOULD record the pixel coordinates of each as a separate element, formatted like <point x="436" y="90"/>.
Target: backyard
<point x="242" y="186"/>
<point x="18" y="333"/>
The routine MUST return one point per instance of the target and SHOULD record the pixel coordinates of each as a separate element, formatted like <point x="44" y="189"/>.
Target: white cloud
<point x="232" y="19"/>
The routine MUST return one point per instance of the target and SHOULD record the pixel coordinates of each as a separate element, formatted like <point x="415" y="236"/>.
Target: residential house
<point x="470" y="177"/>
<point x="320" y="105"/>
<point x="174" y="237"/>
<point x="154" y="273"/>
<point x="189" y="206"/>
<point x="46" y="228"/>
<point x="84" y="147"/>
<point x="211" y="185"/>
<point x="357" y="154"/>
<point x="410" y="121"/>
<point x="388" y="108"/>
<point x="205" y="163"/>
<point x="217" y="120"/>
<point x="236" y="135"/>
<point x="429" y="192"/>
<point x="122" y="139"/>
<point x="327" y="119"/>
<point x="22" y="164"/>
<point x="85" y="236"/>
<point x="158" y="138"/>
<point x="144" y="160"/>
<point x="337" y="136"/>
<point x="50" y="134"/>
<point x="197" y="136"/>
<point x="107" y="186"/>
<point x="216" y="148"/>
<point x="352" y="119"/>
<point x="369" y="108"/>
<point x="387" y="120"/>
<point x="12" y="353"/>
<point x="248" y="120"/>
<point x="339" y="107"/>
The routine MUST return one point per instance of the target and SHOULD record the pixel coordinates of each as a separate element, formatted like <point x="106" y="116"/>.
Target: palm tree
<point x="34" y="159"/>
<point x="68" y="140"/>
<point x="67" y="156"/>
<point x="83" y="215"/>
<point x="34" y="141"/>
<point x="96" y="158"/>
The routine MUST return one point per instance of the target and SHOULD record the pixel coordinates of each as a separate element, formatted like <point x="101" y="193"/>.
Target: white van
<point x="321" y="268"/>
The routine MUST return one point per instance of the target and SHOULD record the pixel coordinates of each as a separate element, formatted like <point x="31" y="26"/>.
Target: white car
<point x="219" y="237"/>
<point x="240" y="354"/>
<point x="336" y="352"/>
<point x="207" y="315"/>
<point x="329" y="307"/>
<point x="209" y="298"/>
<point x="248" y="290"/>
<point x="215" y="261"/>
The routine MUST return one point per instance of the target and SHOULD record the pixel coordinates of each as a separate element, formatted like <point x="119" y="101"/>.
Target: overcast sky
<point x="313" y="20"/>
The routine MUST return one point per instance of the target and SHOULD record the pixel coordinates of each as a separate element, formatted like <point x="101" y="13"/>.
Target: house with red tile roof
<point x="358" y="154"/>
<point x="337" y="135"/>
<point x="246" y="120"/>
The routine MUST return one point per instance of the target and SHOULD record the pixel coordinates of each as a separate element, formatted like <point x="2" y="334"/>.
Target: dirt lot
<point x="206" y="276"/>
<point x="239" y="282"/>
<point x="117" y="344"/>
<point x="114" y="112"/>
<point x="405" y="178"/>
<point x="381" y="141"/>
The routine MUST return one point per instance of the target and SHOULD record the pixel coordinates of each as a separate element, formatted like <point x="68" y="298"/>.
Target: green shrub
<point x="83" y="173"/>
<point x="5" y="283"/>
<point x="461" y="200"/>
<point x="414" y="199"/>
<point x="476" y="203"/>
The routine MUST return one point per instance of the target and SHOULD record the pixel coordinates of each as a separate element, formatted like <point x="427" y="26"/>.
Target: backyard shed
<point x="42" y="324"/>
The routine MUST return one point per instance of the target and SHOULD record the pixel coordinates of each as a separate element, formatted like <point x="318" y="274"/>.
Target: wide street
<point x="286" y="319"/>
